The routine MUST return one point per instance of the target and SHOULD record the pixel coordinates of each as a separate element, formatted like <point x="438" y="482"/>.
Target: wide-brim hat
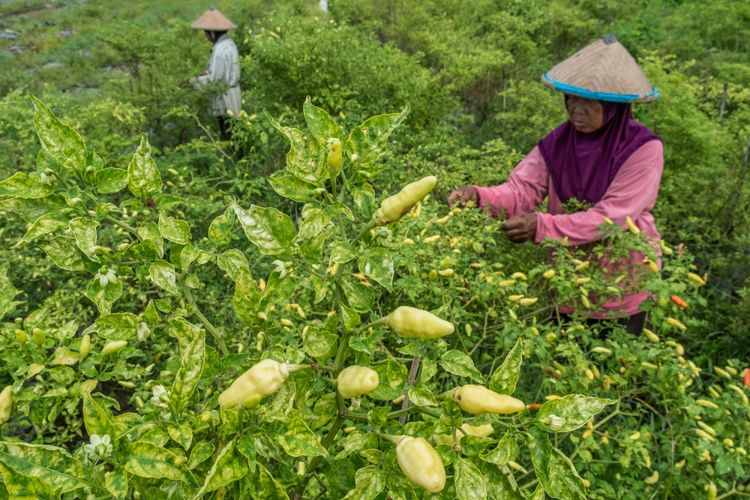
<point x="604" y="71"/>
<point x="213" y="20"/>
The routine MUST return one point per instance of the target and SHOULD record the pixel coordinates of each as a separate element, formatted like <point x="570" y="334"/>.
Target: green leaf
<point x="184" y="331"/>
<point x="564" y="479"/>
<point x="23" y="487"/>
<point x="320" y="123"/>
<point x="268" y="487"/>
<point x="50" y="466"/>
<point x="59" y="141"/>
<point x="44" y="225"/>
<point x="367" y="141"/>
<point x="342" y="252"/>
<point x="505" y="377"/>
<point x="227" y="468"/>
<point x="470" y="483"/>
<point x="299" y="441"/>
<point x="306" y="157"/>
<point x="192" y="360"/>
<point x="320" y="286"/>
<point x="201" y="452"/>
<point x="364" y="198"/>
<point x="367" y="340"/>
<point x="63" y="356"/>
<point x="570" y="412"/>
<point x="144" y="180"/>
<point x="7" y="293"/>
<point x="84" y="232"/>
<point x="506" y="450"/>
<point x="459" y="363"/>
<point x="246" y="298"/>
<point x="314" y="228"/>
<point x="97" y="418"/>
<point x="220" y="230"/>
<point x="377" y="264"/>
<point x="64" y="253"/>
<point x="498" y="484"/>
<point x="154" y="462"/>
<point x="104" y="296"/>
<point x="421" y="395"/>
<point x="111" y="180"/>
<point x="352" y="443"/>
<point x="175" y="230"/>
<point x="267" y="228"/>
<point x="319" y="344"/>
<point x="116" y="482"/>
<point x="150" y="232"/>
<point x="555" y="472"/>
<point x="336" y="210"/>
<point x="369" y="483"/>
<point x="163" y="275"/>
<point x="538" y="493"/>
<point x="155" y="436"/>
<point x="181" y="434"/>
<point x="292" y="187"/>
<point x="117" y="326"/>
<point x="233" y="262"/>
<point x="189" y="255"/>
<point x="24" y="186"/>
<point x="397" y="373"/>
<point x="359" y="297"/>
<point x="350" y="317"/>
<point x="540" y="449"/>
<point x="31" y="209"/>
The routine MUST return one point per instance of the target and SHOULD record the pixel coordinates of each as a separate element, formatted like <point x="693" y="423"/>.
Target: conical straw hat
<point x="213" y="20"/>
<point x="604" y="71"/>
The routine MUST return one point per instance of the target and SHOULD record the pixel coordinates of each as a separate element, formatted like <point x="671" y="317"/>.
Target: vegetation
<point x="147" y="265"/>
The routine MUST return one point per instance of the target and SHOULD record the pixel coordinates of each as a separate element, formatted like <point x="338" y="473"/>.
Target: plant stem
<point x="300" y="489"/>
<point x="396" y="413"/>
<point x="412" y="377"/>
<point x="364" y="231"/>
<point x="368" y="325"/>
<point x="484" y="335"/>
<point x="343" y="342"/>
<point x="127" y="227"/>
<point x="218" y="335"/>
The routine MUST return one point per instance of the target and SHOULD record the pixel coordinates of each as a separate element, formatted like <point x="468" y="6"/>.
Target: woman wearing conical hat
<point x="601" y="158"/>
<point x="223" y="67"/>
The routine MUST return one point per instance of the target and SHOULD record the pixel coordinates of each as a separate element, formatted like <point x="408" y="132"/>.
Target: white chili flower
<point x="159" y="395"/>
<point x="143" y="331"/>
<point x="98" y="447"/>
<point x="106" y="276"/>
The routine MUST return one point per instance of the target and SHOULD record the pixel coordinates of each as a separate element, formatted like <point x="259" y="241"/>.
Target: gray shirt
<point x="224" y="68"/>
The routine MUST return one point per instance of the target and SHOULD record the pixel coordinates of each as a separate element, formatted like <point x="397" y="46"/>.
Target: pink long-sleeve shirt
<point x="632" y="193"/>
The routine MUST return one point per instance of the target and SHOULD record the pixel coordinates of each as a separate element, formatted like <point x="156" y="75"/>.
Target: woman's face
<point x="586" y="115"/>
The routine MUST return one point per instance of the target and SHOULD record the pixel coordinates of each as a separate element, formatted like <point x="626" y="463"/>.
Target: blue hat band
<point x="599" y="96"/>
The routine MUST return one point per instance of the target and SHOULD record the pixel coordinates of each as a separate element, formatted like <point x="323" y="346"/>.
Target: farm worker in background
<point x="600" y="156"/>
<point x="223" y="67"/>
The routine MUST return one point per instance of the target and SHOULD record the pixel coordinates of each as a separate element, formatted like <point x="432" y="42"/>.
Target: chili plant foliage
<point x="145" y="382"/>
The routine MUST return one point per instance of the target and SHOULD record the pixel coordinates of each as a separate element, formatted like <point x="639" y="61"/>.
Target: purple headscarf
<point x="582" y="166"/>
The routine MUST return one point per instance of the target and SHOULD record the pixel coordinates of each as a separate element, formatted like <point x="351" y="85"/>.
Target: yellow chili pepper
<point x="394" y="207"/>
<point x="420" y="463"/>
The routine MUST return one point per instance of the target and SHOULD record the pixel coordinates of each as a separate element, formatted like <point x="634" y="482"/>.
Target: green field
<point x="147" y="264"/>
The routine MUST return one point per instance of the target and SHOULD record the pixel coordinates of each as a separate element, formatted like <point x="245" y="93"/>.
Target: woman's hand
<point x="463" y="196"/>
<point x="521" y="228"/>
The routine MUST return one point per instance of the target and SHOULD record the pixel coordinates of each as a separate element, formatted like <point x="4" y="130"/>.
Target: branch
<point x="218" y="335"/>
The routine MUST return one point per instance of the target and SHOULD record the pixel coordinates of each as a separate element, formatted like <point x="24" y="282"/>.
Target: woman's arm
<point x="208" y="76"/>
<point x="633" y="190"/>
<point x="223" y="66"/>
<point x="525" y="188"/>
